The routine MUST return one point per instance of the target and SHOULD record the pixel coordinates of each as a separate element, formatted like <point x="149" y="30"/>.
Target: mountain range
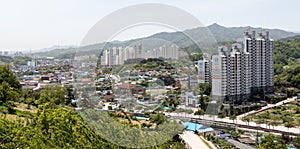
<point x="56" y="47"/>
<point x="214" y="33"/>
<point x="293" y="38"/>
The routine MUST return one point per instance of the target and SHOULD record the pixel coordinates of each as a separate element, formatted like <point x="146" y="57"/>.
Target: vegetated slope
<point x="205" y="37"/>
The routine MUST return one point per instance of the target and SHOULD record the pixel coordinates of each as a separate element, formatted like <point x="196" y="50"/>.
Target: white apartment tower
<point x="204" y="69"/>
<point x="261" y="49"/>
<point x="238" y="81"/>
<point x="245" y="69"/>
<point x="219" y="72"/>
<point x="117" y="56"/>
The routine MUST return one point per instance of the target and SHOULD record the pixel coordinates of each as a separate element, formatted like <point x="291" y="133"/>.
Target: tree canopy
<point x="9" y="77"/>
<point x="271" y="141"/>
<point x="52" y="127"/>
<point x="287" y="65"/>
<point x="7" y="94"/>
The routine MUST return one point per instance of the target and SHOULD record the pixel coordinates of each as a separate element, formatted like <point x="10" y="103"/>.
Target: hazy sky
<point x="37" y="24"/>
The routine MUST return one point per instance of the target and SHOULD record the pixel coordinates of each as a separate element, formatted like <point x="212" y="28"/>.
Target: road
<point x="239" y="144"/>
<point x="193" y="141"/>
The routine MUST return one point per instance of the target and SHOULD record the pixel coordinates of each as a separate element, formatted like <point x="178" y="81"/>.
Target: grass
<point x="221" y="143"/>
<point x="14" y="117"/>
<point x="20" y="112"/>
<point x="24" y="114"/>
<point x="24" y="107"/>
<point x="286" y="115"/>
<point x="10" y="117"/>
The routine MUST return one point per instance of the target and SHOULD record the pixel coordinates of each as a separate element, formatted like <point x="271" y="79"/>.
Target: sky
<point x="35" y="24"/>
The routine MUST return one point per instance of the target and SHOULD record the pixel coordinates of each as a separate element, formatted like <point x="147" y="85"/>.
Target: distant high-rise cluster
<point x="118" y="55"/>
<point x="11" y="53"/>
<point x="244" y="69"/>
<point x="4" y="53"/>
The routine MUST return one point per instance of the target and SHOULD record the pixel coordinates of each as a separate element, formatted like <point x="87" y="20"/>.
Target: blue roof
<point x="199" y="127"/>
<point x="167" y="108"/>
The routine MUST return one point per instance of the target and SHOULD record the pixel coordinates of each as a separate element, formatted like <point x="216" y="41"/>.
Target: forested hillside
<point x="200" y="35"/>
<point x="287" y="63"/>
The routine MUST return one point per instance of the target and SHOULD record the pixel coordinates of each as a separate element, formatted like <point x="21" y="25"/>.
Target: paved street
<point x="193" y="141"/>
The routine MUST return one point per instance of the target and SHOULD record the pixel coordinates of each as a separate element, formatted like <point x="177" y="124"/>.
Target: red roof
<point x="127" y="85"/>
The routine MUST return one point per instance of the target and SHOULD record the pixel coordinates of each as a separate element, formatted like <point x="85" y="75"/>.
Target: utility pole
<point x="257" y="143"/>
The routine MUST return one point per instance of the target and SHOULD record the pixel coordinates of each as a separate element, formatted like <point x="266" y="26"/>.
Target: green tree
<point x="61" y="127"/>
<point x="247" y="119"/>
<point x="171" y="102"/>
<point x="20" y="60"/>
<point x="54" y="95"/>
<point x="203" y="100"/>
<point x="158" y="118"/>
<point x="296" y="141"/>
<point x="7" y="94"/>
<point x="8" y="76"/>
<point x="167" y="79"/>
<point x="196" y="57"/>
<point x="28" y="97"/>
<point x="272" y="142"/>
<point x="287" y="63"/>
<point x="199" y="112"/>
<point x="232" y="117"/>
<point x="69" y="96"/>
<point x="52" y="127"/>
<point x="205" y="88"/>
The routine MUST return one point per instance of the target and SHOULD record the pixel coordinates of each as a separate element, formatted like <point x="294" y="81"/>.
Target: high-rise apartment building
<point x="219" y="72"/>
<point x="261" y="49"/>
<point x="117" y="56"/>
<point x="204" y="69"/>
<point x="244" y="69"/>
<point x="238" y="73"/>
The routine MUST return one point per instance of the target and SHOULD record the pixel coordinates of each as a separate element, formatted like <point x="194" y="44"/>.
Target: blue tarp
<point x="167" y="108"/>
<point x="199" y="127"/>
